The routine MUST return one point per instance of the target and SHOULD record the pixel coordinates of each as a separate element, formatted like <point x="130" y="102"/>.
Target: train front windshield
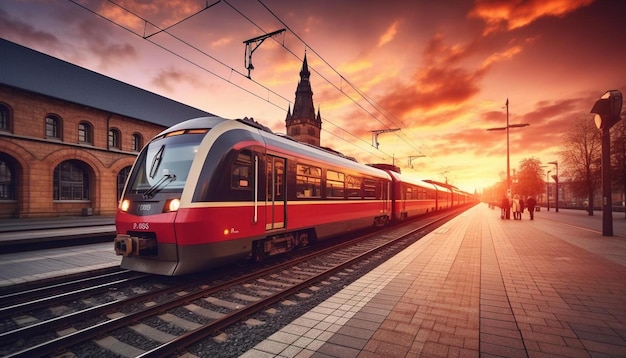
<point x="164" y="164"/>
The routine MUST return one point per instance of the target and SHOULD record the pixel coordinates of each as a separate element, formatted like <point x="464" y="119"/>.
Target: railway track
<point x="154" y="316"/>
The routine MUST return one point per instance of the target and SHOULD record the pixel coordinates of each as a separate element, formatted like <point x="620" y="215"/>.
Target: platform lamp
<point x="607" y="112"/>
<point x="556" y="180"/>
<point x="548" y="188"/>
<point x="545" y="166"/>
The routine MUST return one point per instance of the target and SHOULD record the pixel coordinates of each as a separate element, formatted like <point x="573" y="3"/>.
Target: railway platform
<point x="25" y="266"/>
<point x="479" y="286"/>
<point x="37" y="230"/>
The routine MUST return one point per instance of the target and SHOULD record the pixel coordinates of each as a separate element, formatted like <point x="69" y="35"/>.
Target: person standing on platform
<point x="515" y="207"/>
<point x="531" y="203"/>
<point x="505" y="208"/>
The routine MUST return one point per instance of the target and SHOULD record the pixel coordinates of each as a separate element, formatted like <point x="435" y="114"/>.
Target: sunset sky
<point x="441" y="71"/>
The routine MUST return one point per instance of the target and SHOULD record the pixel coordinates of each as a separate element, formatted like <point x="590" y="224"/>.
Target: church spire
<point x="304" y="72"/>
<point x="302" y="123"/>
<point x="288" y="114"/>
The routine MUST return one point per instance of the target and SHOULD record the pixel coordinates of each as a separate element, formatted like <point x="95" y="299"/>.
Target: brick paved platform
<point x="23" y="267"/>
<point x="478" y="286"/>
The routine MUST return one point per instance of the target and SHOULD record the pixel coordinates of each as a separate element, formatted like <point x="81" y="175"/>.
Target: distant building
<point x="303" y="124"/>
<point x="69" y="136"/>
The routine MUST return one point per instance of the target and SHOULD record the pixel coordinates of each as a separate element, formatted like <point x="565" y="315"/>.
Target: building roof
<point x="33" y="71"/>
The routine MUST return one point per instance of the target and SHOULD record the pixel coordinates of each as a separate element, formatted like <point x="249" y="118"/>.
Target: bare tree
<point x="581" y="156"/>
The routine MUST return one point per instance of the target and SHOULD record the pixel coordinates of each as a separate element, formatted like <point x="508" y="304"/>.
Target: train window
<point x="369" y="187"/>
<point x="241" y="172"/>
<point x="275" y="178"/>
<point x="334" y="184"/>
<point x="409" y="193"/>
<point x="353" y="187"/>
<point x="308" y="181"/>
<point x="165" y="163"/>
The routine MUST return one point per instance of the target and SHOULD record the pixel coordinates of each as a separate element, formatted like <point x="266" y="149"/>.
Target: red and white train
<point x="210" y="190"/>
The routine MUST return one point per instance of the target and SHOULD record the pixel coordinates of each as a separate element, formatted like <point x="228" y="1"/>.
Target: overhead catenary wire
<point x="342" y="78"/>
<point x="232" y="70"/>
<point x="148" y="37"/>
<point x="312" y="68"/>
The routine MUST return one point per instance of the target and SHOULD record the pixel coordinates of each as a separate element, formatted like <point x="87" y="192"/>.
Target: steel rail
<point x="43" y="302"/>
<point x="174" y="346"/>
<point x="191" y="337"/>
<point x="46" y="287"/>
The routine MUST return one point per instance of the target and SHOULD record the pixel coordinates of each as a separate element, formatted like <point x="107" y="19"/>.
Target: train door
<point x="405" y="191"/>
<point x="276" y="204"/>
<point x="386" y="195"/>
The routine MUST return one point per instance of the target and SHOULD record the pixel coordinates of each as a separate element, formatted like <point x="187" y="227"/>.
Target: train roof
<point x="302" y="149"/>
<point x="323" y="155"/>
<point x="194" y="123"/>
<point x="411" y="180"/>
<point x="446" y="186"/>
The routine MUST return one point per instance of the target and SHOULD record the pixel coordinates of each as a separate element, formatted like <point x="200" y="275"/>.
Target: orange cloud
<point x="440" y="82"/>
<point x="501" y="56"/>
<point x="122" y="17"/>
<point x="221" y="42"/>
<point x="508" y="15"/>
<point x="390" y="34"/>
<point x="160" y="13"/>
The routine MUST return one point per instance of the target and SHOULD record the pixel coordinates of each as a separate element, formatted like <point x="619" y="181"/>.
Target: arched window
<point x="71" y="181"/>
<point x="85" y="133"/>
<point x="7" y="178"/>
<point x="114" y="138"/>
<point x="5" y="117"/>
<point x="121" y="181"/>
<point x="137" y="142"/>
<point x="53" y="127"/>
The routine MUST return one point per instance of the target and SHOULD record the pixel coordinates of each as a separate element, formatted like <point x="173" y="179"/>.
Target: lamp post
<point x="508" y="161"/>
<point x="548" y="188"/>
<point x="607" y="113"/>
<point x="556" y="180"/>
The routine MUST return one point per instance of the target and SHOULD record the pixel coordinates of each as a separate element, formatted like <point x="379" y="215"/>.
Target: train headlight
<point x="125" y="205"/>
<point x="172" y="205"/>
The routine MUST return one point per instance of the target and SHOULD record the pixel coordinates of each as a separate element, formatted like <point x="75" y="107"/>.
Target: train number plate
<point x="141" y="226"/>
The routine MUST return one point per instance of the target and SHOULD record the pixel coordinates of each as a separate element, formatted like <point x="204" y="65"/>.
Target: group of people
<point x="517" y="206"/>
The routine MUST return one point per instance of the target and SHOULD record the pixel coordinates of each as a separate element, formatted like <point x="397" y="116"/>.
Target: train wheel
<point x="303" y="239"/>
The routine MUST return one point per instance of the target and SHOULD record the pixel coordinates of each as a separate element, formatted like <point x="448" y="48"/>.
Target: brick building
<point x="68" y="136"/>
